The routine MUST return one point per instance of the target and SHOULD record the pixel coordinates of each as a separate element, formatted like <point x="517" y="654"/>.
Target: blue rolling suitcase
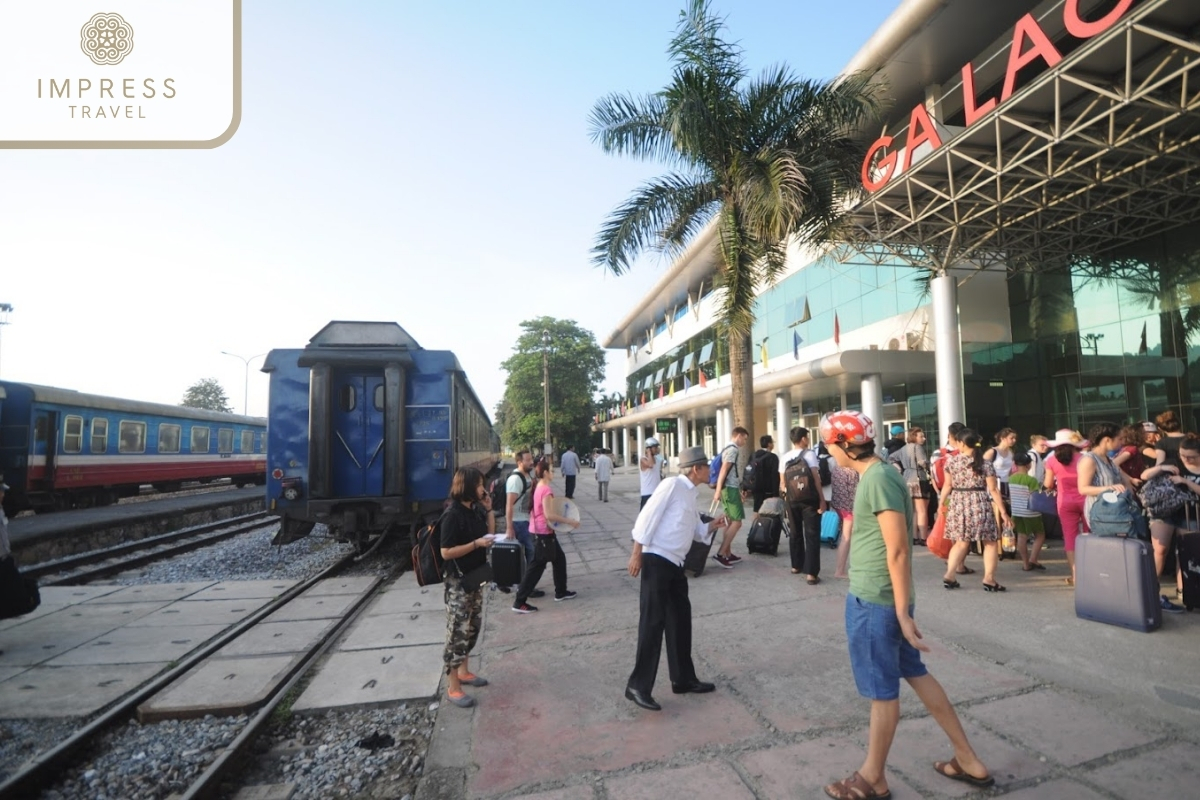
<point x="508" y="563"/>
<point x="1116" y="583"/>
<point x="831" y="528"/>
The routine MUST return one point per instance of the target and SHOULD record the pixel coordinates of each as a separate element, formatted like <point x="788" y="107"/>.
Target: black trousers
<point x="665" y="610"/>
<point x="805" y="544"/>
<point x="570" y="485"/>
<point x="546" y="550"/>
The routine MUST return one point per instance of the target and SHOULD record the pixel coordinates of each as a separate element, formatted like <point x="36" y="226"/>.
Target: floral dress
<point x="844" y="483"/>
<point x="970" y="515"/>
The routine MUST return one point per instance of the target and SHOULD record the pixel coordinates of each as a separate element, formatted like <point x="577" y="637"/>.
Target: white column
<point x="872" y="403"/>
<point x="728" y="426"/>
<point x="681" y="437"/>
<point x="948" y="364"/>
<point x="641" y="442"/>
<point x="625" y="445"/>
<point x="783" y="420"/>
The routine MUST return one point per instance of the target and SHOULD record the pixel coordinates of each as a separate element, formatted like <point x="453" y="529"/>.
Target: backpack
<point x="499" y="493"/>
<point x="427" y="554"/>
<point x="824" y="464"/>
<point x="799" y="480"/>
<point x="752" y="474"/>
<point x="714" y="470"/>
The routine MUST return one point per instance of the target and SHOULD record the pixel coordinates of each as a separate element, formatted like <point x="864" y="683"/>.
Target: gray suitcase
<point x="508" y="563"/>
<point x="1116" y="583"/>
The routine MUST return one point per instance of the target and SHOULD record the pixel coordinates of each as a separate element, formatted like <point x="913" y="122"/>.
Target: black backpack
<point x="824" y="464"/>
<point x="427" y="554"/>
<point x="752" y="475"/>
<point x="499" y="493"/>
<point x="800" y="482"/>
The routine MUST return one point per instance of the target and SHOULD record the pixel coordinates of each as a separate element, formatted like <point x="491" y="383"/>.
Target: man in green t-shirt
<point x="885" y="644"/>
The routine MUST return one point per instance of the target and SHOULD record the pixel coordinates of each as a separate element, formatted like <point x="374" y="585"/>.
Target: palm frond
<point x="662" y="213"/>
<point x="632" y="126"/>
<point x="698" y="43"/>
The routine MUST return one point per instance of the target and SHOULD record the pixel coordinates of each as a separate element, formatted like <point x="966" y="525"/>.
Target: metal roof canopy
<point x="1094" y="153"/>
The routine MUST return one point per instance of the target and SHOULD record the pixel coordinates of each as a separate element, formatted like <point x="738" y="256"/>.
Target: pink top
<point x="1066" y="479"/>
<point x="537" y="517"/>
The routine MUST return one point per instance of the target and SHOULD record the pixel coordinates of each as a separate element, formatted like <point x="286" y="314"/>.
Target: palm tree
<point x="762" y="159"/>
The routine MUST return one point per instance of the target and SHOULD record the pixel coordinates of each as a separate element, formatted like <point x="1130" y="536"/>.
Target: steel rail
<point x="44" y="768"/>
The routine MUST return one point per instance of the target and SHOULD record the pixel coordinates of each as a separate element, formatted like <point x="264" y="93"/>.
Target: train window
<point x="224" y="440"/>
<point x="168" y="438"/>
<point x="99" y="435"/>
<point x="379" y="397"/>
<point x="247" y="441"/>
<point x="200" y="436"/>
<point x="132" y="437"/>
<point x="348" y="398"/>
<point x="73" y="435"/>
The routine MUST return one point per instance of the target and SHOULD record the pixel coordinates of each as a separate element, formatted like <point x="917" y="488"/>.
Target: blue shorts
<point x="879" y="654"/>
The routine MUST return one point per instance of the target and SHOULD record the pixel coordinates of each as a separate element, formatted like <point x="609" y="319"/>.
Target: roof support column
<point x="872" y="400"/>
<point x="783" y="418"/>
<point x="948" y="359"/>
<point x="641" y="443"/>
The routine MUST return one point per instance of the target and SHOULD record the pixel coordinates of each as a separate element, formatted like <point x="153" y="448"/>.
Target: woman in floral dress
<point x="975" y="503"/>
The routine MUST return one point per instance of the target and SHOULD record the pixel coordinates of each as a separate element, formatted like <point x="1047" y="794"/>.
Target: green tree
<point x="206" y="393"/>
<point x="764" y="159"/>
<point x="576" y="367"/>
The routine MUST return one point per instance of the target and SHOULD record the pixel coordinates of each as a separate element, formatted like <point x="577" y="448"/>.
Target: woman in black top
<point x="464" y="543"/>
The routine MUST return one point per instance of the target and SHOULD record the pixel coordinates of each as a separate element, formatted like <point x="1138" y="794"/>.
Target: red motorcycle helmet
<point x="847" y="428"/>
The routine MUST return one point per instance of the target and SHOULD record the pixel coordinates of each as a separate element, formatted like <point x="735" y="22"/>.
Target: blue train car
<point x="366" y="429"/>
<point x="63" y="449"/>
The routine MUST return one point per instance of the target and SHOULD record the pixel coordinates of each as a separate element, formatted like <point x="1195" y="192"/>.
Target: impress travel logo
<point x="75" y="78"/>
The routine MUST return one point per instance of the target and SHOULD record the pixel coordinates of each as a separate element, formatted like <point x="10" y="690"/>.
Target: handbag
<point x="1116" y="514"/>
<point x="1043" y="503"/>
<point x="936" y="542"/>
<point x="473" y="579"/>
<point x="19" y="593"/>
<point x="1162" y="497"/>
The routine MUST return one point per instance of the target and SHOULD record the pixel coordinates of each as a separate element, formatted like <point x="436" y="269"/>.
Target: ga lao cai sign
<point x="120" y="73"/>
<point x="1029" y="44"/>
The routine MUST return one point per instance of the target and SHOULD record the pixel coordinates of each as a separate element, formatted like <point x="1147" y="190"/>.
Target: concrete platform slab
<point x="1065" y="729"/>
<point x="277" y="637"/>
<point x="803" y="770"/>
<point x="99" y="614"/>
<point x="1059" y="789"/>
<point x="37" y="613"/>
<point x="69" y="595"/>
<point x="219" y="686"/>
<point x="10" y="672"/>
<point x="1154" y="774"/>
<point x="374" y="677"/>
<point x="329" y="607"/>
<point x="138" y="645"/>
<point x="237" y="590"/>
<point x="202" y="612"/>
<point x="411" y="600"/>
<point x="69" y="691"/>
<point x="28" y="646"/>
<point x="396" y="630"/>
<point x="712" y="779"/>
<point x="347" y="585"/>
<point x="152" y="591"/>
<point x="566" y="793"/>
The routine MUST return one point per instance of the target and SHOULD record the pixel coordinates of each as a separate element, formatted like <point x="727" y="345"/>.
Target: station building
<point x="1026" y="254"/>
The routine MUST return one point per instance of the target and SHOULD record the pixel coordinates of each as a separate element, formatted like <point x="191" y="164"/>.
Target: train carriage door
<point x="357" y="440"/>
<point x="45" y="443"/>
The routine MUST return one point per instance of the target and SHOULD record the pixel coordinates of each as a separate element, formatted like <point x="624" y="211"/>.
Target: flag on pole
<point x="671" y="391"/>
<point x="762" y="349"/>
<point x="643" y="399"/>
<point x="703" y="382"/>
<point x="686" y="383"/>
<point x="796" y="340"/>
<point x="1142" y="349"/>
<point x="660" y="391"/>
<point x="837" y="330"/>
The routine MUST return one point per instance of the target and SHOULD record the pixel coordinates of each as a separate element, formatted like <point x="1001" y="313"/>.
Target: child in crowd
<point x="1026" y="522"/>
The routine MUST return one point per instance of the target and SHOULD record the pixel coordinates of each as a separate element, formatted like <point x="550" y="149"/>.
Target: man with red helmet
<point x="884" y="642"/>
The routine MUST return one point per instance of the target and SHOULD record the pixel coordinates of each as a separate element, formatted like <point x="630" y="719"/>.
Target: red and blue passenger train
<point x="62" y="449"/>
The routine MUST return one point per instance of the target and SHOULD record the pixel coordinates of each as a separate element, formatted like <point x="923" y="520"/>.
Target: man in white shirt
<point x="662" y="535"/>
<point x="569" y="464"/>
<point x="650" y="470"/>
<point x="604" y="469"/>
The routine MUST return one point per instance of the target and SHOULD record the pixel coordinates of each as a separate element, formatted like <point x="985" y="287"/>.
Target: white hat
<point x="1068" y="436"/>
<point x="652" y="442"/>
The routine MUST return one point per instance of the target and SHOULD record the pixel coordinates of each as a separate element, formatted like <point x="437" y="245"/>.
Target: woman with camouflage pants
<point x="464" y="543"/>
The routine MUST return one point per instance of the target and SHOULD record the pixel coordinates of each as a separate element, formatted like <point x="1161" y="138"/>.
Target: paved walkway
<point x="1057" y="707"/>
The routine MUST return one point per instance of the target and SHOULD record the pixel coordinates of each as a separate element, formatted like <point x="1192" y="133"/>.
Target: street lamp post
<point x="246" y="379"/>
<point x="5" y="310"/>
<point x="546" y="391"/>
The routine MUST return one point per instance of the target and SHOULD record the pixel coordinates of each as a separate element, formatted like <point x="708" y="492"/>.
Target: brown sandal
<point x="960" y="774"/>
<point x="855" y="788"/>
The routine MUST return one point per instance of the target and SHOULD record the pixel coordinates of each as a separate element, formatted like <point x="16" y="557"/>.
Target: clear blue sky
<point x="427" y="163"/>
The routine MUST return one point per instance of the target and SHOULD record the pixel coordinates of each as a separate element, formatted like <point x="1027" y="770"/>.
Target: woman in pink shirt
<point x="1062" y="472"/>
<point x="546" y="549"/>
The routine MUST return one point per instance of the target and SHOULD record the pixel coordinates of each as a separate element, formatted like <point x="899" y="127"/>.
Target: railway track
<point x="113" y="560"/>
<point x="41" y="772"/>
